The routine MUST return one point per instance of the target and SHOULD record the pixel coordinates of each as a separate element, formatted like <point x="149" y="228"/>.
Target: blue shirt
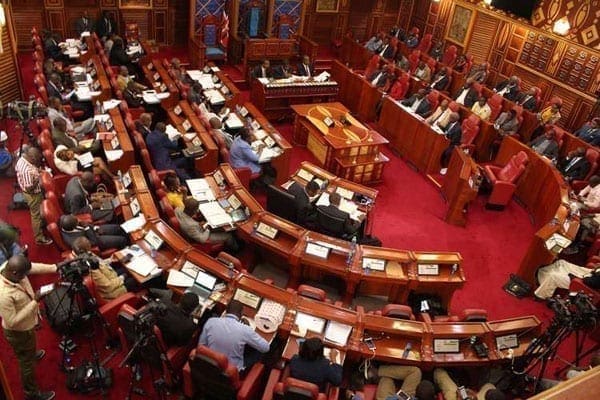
<point x="159" y="147"/>
<point x="241" y="155"/>
<point x="227" y="335"/>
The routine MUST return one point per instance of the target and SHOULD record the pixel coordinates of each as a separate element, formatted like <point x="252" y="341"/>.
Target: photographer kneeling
<point x="109" y="284"/>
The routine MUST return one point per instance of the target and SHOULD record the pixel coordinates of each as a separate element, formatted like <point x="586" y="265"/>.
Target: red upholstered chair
<point x="209" y="374"/>
<point x="413" y="60"/>
<point x="470" y="130"/>
<point x="454" y="106"/>
<point x="433" y="98"/>
<point x="396" y="311"/>
<point x="228" y="259"/>
<point x="592" y="156"/>
<point x="559" y="134"/>
<point x="372" y="65"/>
<point x="281" y="386"/>
<point x="449" y="55"/>
<point x="478" y="87"/>
<point x="468" y="63"/>
<point x="503" y="179"/>
<point x="425" y="44"/>
<point x="538" y="96"/>
<point x="400" y="87"/>
<point x="495" y="103"/>
<point x="210" y="34"/>
<point x="245" y="174"/>
<point x="432" y="64"/>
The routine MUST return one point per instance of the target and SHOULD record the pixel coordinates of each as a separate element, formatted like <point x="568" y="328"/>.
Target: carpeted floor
<point x="408" y="215"/>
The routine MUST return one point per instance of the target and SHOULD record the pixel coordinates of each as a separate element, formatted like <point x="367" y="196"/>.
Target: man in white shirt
<point x="589" y="196"/>
<point x="423" y="72"/>
<point x="441" y="115"/>
<point x="482" y="109"/>
<point x="466" y="95"/>
<point x="56" y="110"/>
<point x="374" y="43"/>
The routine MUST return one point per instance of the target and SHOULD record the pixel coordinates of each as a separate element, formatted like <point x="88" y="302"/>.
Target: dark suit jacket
<point x="588" y="135"/>
<point x="118" y="56"/>
<point x="301" y="70"/>
<point x="59" y="138"/>
<point x="160" y="147"/>
<point x="141" y="128"/>
<point x="441" y="85"/>
<point x="382" y="80"/>
<point x="349" y="226"/>
<point x="280" y="71"/>
<point x="53" y="91"/>
<point x="530" y="104"/>
<point x="423" y="108"/>
<point x="577" y="171"/>
<point x="81" y="26"/>
<point x="303" y="205"/>
<point x="320" y="371"/>
<point x="511" y="94"/>
<point x="52" y="49"/>
<point x="551" y="150"/>
<point x="388" y="53"/>
<point x="471" y="97"/>
<point x="176" y="327"/>
<point x="257" y="73"/>
<point x="102" y="27"/>
<point x="76" y="200"/>
<point x="454" y="133"/>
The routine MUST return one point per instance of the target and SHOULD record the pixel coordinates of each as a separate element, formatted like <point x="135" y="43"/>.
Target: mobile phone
<point x="45" y="289"/>
<point x="402" y="395"/>
<point x="463" y="393"/>
<point x="370" y="343"/>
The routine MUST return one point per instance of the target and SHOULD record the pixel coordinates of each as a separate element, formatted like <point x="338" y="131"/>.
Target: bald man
<point x="19" y="310"/>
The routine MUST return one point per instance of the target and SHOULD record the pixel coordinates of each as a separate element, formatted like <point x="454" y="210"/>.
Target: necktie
<point x="307" y="70"/>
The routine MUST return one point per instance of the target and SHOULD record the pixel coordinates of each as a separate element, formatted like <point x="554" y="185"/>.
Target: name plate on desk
<point x="96" y="85"/>
<point x="507" y="342"/>
<point x="163" y="87"/>
<point x="373" y="263"/>
<point x="126" y="180"/>
<point x="304" y="174"/>
<point x="134" y="204"/>
<point x="243" y="111"/>
<point x="153" y="240"/>
<point x="196" y="141"/>
<point x="345" y="193"/>
<point x="428" y="269"/>
<point x="266" y="230"/>
<point x="218" y="176"/>
<point x="186" y="125"/>
<point x="109" y="124"/>
<point x="156" y="76"/>
<point x="317" y="250"/>
<point x="446" y="346"/>
<point x="114" y="142"/>
<point x="249" y="299"/>
<point x="234" y="202"/>
<point x="177" y="110"/>
<point x="255" y="125"/>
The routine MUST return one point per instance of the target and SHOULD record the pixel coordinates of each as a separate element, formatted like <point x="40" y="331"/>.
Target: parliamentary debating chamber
<point x="300" y="199"/>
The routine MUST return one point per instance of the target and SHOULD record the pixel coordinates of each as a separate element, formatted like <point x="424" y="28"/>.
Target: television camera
<point x="74" y="270"/>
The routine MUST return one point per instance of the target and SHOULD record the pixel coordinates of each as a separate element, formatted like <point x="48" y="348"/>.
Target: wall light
<point x="2" y="25"/>
<point x="561" y="26"/>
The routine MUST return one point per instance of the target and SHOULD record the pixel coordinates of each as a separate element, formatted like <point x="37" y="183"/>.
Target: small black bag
<point x="88" y="378"/>
<point x="517" y="286"/>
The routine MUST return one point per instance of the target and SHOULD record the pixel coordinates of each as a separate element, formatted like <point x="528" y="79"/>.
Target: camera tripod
<point x="145" y="345"/>
<point x="80" y="299"/>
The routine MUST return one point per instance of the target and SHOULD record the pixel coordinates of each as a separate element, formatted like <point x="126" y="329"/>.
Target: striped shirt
<point x="28" y="176"/>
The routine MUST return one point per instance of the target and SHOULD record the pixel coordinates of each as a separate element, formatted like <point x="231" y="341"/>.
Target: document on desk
<point x="150" y="97"/>
<point x="113" y="155"/>
<point x="345" y="193"/>
<point x="110" y="104"/>
<point x="305" y="175"/>
<point x="206" y="81"/>
<point x="337" y="332"/>
<point x="200" y="189"/>
<point x="179" y="279"/>
<point x="134" y="224"/>
<point x="268" y="153"/>
<point x="214" y="214"/>
<point x="142" y="265"/>
<point x="85" y="159"/>
<point x="173" y="133"/>
<point x="194" y="74"/>
<point x="338" y="356"/>
<point x="307" y="322"/>
<point x="233" y="121"/>
<point x="214" y="96"/>
<point x="323" y="200"/>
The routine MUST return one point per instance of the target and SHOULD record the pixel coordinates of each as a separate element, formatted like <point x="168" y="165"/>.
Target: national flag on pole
<point x="225" y="30"/>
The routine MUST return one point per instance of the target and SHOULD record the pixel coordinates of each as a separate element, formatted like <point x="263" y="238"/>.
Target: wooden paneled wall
<point x="560" y="66"/>
<point x="166" y="22"/>
<point x="10" y="85"/>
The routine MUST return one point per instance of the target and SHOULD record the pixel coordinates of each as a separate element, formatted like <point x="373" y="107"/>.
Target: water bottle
<point x="254" y="228"/>
<point x="351" y="252"/>
<point x="231" y="269"/>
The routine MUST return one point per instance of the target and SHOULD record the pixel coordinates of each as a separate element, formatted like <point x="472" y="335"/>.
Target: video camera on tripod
<point x="576" y="311"/>
<point x="74" y="270"/>
<point x="26" y="110"/>
<point x="145" y="319"/>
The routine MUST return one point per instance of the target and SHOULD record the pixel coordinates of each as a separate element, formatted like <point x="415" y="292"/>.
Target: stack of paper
<point x="173" y="133"/>
<point x="268" y="153"/>
<point x="233" y="121"/>
<point x="109" y="104"/>
<point x="214" y="96"/>
<point x="113" y="155"/>
<point x="214" y="214"/>
<point x="133" y="224"/>
<point x="200" y="190"/>
<point x="142" y="265"/>
<point x="177" y="278"/>
<point x="306" y="322"/>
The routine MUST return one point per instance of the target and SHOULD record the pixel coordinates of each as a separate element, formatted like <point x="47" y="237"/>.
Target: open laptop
<point x="203" y="285"/>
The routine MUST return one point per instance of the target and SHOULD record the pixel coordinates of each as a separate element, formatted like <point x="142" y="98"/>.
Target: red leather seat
<point x="372" y="65"/>
<point x="503" y="179"/>
<point x="425" y="44"/>
<point x="454" y="106"/>
<point x="495" y="103"/>
<point x="244" y="174"/>
<point x="209" y="374"/>
<point x="413" y="60"/>
<point x="433" y="98"/>
<point x="468" y="63"/>
<point x="396" y="311"/>
<point x="592" y="156"/>
<point x="537" y="96"/>
<point x="449" y="55"/>
<point x="400" y="87"/>
<point x="470" y="130"/>
<point x="281" y="386"/>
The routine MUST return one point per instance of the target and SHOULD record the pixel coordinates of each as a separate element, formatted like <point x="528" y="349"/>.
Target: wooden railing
<point x="307" y="47"/>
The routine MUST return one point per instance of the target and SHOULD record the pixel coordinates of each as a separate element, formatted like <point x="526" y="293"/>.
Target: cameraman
<point x="176" y="324"/>
<point x="19" y="310"/>
<point x="109" y="284"/>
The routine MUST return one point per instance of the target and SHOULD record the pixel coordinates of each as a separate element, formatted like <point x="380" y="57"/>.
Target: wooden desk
<point x="460" y="186"/>
<point x="128" y="157"/>
<point x="233" y="97"/>
<point x="462" y="331"/>
<point x="100" y="82"/>
<point x="182" y="112"/>
<point x="275" y="98"/>
<point x="158" y="78"/>
<point x="450" y="275"/>
<point x="281" y="163"/>
<point x="351" y="152"/>
<point x="393" y="281"/>
<point x="526" y="329"/>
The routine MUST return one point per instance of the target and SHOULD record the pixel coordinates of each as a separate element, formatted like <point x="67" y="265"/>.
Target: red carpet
<point x="408" y="215"/>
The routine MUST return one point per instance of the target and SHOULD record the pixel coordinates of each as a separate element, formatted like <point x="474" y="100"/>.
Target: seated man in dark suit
<point x="143" y="124"/>
<point x="440" y="80"/>
<point x="574" y="166"/>
<point x="508" y="88"/>
<point x="283" y="71"/>
<point x="466" y="95"/>
<point x="77" y="198"/>
<point x="305" y="68"/>
<point x="546" y="144"/>
<point x="527" y="99"/>
<point x="263" y="70"/>
<point x="105" y="236"/>
<point x="453" y="132"/>
<point x="386" y="50"/>
<point x="380" y="76"/>
<point x="303" y="199"/>
<point x="418" y="103"/>
<point x="590" y="132"/>
<point x="160" y="148"/>
<point x="333" y="209"/>
<point x="55" y="88"/>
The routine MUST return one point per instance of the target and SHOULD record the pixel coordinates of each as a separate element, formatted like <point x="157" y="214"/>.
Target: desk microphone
<point x="407" y="350"/>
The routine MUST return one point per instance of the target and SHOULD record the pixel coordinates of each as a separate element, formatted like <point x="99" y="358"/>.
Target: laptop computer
<point x="203" y="285"/>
